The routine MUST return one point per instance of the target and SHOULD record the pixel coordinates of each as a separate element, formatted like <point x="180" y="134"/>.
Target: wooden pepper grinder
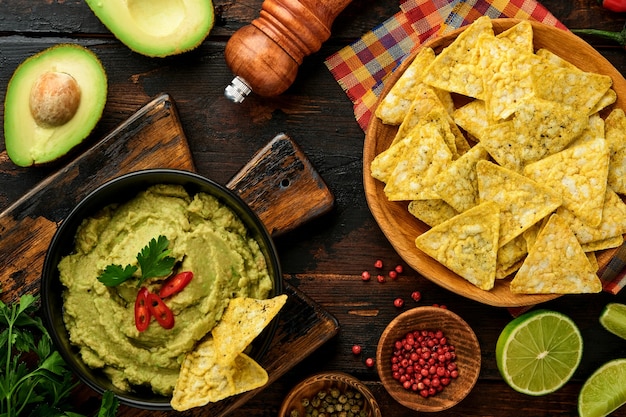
<point x="265" y="55"/>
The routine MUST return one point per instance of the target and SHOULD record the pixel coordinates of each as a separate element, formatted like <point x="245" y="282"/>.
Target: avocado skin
<point x="156" y="28"/>
<point x="28" y="143"/>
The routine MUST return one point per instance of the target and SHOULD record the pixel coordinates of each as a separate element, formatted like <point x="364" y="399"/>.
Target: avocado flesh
<point x="156" y="28"/>
<point x="31" y="143"/>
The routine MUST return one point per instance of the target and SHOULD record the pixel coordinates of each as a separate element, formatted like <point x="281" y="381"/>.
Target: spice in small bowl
<point x="428" y="359"/>
<point x="330" y="394"/>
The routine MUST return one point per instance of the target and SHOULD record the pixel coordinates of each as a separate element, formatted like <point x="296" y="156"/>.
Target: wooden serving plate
<point x="401" y="228"/>
<point x="153" y="138"/>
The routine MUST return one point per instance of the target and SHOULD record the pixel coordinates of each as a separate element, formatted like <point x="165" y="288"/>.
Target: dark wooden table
<point x="323" y="259"/>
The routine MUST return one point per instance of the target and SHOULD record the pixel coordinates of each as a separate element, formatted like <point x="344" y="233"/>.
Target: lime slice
<point x="604" y="391"/>
<point x="538" y="352"/>
<point x="613" y="318"/>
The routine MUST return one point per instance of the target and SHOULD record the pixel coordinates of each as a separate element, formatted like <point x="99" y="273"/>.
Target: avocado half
<point x="53" y="101"/>
<point x="156" y="28"/>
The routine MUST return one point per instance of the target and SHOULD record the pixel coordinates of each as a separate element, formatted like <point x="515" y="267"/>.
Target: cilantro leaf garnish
<point x="116" y="274"/>
<point x="153" y="260"/>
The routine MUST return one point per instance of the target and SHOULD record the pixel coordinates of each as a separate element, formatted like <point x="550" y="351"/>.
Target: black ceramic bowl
<point x="120" y="190"/>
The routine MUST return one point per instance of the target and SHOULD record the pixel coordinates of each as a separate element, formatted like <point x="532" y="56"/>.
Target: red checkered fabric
<point x="361" y="67"/>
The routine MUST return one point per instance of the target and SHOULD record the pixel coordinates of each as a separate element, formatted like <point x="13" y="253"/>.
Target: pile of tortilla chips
<point x="218" y="367"/>
<point x="501" y="149"/>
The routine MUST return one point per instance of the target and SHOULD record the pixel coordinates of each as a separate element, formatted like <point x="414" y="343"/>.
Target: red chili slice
<point x="142" y="310"/>
<point x="175" y="284"/>
<point x="160" y="311"/>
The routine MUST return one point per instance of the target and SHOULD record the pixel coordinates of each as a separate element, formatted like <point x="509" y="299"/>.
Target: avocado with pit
<point x="156" y="28"/>
<point x="54" y="99"/>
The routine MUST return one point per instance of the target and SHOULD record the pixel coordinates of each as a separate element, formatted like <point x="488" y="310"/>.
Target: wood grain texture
<point x="401" y="227"/>
<point x="282" y="187"/>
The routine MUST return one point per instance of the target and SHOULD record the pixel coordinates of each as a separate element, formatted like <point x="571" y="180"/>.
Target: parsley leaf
<point x="154" y="261"/>
<point x="116" y="274"/>
<point x="41" y="385"/>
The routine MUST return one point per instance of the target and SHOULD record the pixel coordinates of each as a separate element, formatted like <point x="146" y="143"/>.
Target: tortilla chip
<point x="507" y="62"/>
<point x="510" y="257"/>
<point x="457" y="184"/>
<point x="385" y="162"/>
<point x="579" y="174"/>
<point x="432" y="212"/>
<point x="466" y="244"/>
<point x="615" y="133"/>
<point x="593" y="260"/>
<point x="539" y="128"/>
<point x="243" y="320"/>
<point x="608" y="243"/>
<point x="395" y="105"/>
<point x="549" y="57"/>
<point x="522" y="201"/>
<point x="594" y="130"/>
<point x="556" y="264"/>
<point x="426" y="156"/>
<point x="204" y="380"/>
<point x="613" y="220"/>
<point x="428" y="107"/>
<point x="472" y="117"/>
<point x="456" y="68"/>
<point x="571" y="86"/>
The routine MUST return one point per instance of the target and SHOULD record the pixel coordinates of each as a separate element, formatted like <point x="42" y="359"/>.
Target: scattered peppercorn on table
<point x="340" y="260"/>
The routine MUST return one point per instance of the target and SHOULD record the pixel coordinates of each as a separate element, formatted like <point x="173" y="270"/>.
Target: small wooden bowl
<point x="458" y="333"/>
<point x="323" y="381"/>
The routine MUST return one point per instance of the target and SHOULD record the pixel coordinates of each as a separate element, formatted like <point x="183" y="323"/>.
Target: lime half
<point x="538" y="352"/>
<point x="604" y="391"/>
<point x="613" y="318"/>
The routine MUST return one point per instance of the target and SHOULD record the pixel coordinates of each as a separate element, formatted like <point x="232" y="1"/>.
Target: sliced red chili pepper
<point x="160" y="311"/>
<point x="175" y="284"/>
<point x="613" y="5"/>
<point x="142" y="311"/>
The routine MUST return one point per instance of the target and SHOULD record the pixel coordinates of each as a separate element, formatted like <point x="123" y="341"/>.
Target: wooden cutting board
<point x="153" y="138"/>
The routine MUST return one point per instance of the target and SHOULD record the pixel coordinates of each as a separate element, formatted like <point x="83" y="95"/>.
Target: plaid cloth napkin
<point x="361" y="68"/>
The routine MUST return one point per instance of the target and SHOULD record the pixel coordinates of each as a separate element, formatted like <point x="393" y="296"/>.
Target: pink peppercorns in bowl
<point x="428" y="359"/>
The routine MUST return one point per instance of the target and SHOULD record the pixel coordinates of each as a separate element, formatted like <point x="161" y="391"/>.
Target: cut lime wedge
<point x="604" y="391"/>
<point x="613" y="318"/>
<point x="538" y="352"/>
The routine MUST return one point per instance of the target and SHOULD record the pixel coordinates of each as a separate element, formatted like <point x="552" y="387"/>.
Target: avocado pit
<point x="54" y="99"/>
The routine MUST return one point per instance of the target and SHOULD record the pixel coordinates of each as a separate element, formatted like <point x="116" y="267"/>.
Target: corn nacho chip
<point x="457" y="184"/>
<point x="570" y="86"/>
<point x="385" y="162"/>
<point x="556" y="264"/>
<point x="579" y="174"/>
<point x="522" y="201"/>
<point x="608" y="243"/>
<point x="472" y="117"/>
<point x="426" y="156"/>
<point x="456" y="69"/>
<point x="427" y="106"/>
<point x="466" y="244"/>
<point x="243" y="320"/>
<point x="613" y="220"/>
<point x="432" y="212"/>
<point x="204" y="380"/>
<point x="507" y="62"/>
<point x="615" y="133"/>
<point x="510" y="257"/>
<point x="395" y="105"/>
<point x="539" y="128"/>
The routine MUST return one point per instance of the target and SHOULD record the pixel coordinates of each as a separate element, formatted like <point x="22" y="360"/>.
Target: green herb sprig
<point x="35" y="380"/>
<point x="153" y="260"/>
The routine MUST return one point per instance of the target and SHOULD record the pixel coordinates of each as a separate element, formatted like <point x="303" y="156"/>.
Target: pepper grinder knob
<point x="265" y="55"/>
